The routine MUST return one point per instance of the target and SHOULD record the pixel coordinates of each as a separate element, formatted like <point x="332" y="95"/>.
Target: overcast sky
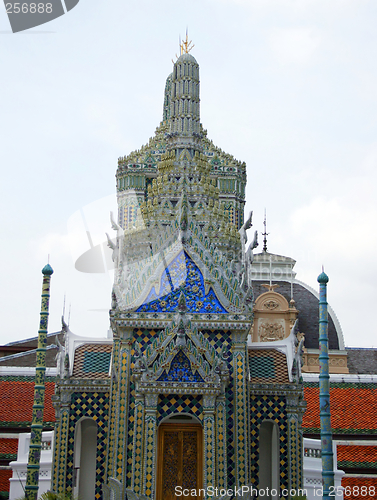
<point x="288" y="86"/>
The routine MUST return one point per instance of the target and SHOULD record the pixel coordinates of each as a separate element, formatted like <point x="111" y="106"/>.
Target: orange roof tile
<point x="5" y="475"/>
<point x="353" y="487"/>
<point x="16" y="401"/>
<point x="8" y="445"/>
<point x="352" y="408"/>
<point x="357" y="454"/>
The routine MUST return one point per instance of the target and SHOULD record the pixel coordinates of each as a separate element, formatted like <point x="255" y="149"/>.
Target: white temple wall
<point x="313" y="471"/>
<point x="19" y="467"/>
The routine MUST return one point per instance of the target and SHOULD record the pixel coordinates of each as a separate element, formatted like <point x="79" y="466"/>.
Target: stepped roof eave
<point x="23" y="354"/>
<point x="25" y="371"/>
<point x="30" y="339"/>
<point x="158" y="144"/>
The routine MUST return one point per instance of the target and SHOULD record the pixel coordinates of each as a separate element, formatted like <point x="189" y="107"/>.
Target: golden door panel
<point x="179" y="461"/>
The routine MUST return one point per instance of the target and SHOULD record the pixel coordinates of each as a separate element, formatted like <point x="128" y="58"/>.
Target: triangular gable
<point x="182" y="274"/>
<point x="180" y="371"/>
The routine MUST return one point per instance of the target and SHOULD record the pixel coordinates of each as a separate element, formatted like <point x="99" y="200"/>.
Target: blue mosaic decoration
<point x="96" y="362"/>
<point x="180" y="371"/>
<point x="169" y="404"/>
<point x="182" y="274"/>
<point x="273" y="408"/>
<point x="94" y="405"/>
<point x="262" y="367"/>
<point x="143" y="337"/>
<point x="217" y="339"/>
<point x="173" y="403"/>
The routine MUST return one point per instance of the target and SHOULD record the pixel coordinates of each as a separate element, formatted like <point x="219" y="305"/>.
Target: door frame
<point x="160" y="448"/>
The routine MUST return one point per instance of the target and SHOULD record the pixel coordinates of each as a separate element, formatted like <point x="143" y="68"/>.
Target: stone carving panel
<point x="271" y="330"/>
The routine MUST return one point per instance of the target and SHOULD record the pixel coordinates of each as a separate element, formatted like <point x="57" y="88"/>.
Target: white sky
<point x="288" y="86"/>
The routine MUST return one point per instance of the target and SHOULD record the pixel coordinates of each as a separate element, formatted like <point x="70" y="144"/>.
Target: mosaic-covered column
<point x="55" y="463"/>
<point x="114" y="398"/>
<point x="119" y="411"/>
<point x="61" y="445"/>
<point x="32" y="478"/>
<point x="294" y="451"/>
<point x="138" y="445"/>
<point x="221" y="447"/>
<point x="150" y="445"/>
<point x="209" y="476"/>
<point x="324" y="390"/>
<point x="240" y="407"/>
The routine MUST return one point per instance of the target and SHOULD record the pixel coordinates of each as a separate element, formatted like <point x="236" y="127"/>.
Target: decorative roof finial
<point x="323" y="278"/>
<point x="265" y="234"/>
<point x="185" y="46"/>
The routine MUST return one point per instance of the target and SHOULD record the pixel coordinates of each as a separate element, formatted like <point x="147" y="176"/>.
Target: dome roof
<point x="47" y="270"/>
<point x="186" y="58"/>
<point x="308" y="317"/>
<point x="280" y="268"/>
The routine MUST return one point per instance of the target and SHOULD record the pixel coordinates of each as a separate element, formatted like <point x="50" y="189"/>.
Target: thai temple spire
<point x="184" y="120"/>
<point x="181" y="189"/>
<point x="181" y="261"/>
<point x="31" y="489"/>
<point x="186" y="397"/>
<point x="324" y="391"/>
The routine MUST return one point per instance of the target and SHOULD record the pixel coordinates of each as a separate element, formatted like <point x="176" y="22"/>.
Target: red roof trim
<point x="16" y="401"/>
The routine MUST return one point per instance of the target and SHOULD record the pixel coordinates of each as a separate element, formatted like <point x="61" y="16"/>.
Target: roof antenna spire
<point x="265" y="234"/>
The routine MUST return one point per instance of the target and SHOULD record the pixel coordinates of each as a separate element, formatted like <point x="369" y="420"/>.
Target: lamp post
<point x="324" y="391"/>
<point x="32" y="478"/>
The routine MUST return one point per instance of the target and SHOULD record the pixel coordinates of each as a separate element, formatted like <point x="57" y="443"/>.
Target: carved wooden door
<point x="179" y="460"/>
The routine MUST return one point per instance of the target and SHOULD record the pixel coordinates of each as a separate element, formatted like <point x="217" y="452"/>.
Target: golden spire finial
<point x="186" y="46"/>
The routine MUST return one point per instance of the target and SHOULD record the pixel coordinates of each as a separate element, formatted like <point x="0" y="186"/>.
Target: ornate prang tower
<point x="180" y="129"/>
<point x="187" y="393"/>
<point x="182" y="307"/>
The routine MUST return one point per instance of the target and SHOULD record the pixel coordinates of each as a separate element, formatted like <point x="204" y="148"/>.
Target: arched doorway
<point x="180" y="458"/>
<point x="269" y="458"/>
<point x="85" y="459"/>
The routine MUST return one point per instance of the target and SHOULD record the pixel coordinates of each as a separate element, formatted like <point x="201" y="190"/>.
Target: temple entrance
<point x="179" y="460"/>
